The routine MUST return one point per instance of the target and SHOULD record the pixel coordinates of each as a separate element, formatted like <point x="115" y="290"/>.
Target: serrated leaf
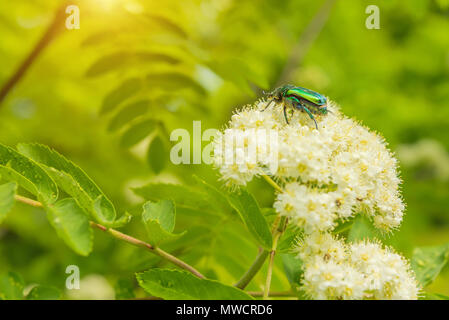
<point x="174" y="80"/>
<point x="427" y="262"/>
<point x="11" y="286"/>
<point x="180" y="285"/>
<point x="7" y="193"/>
<point x="159" y="220"/>
<point x="293" y="269"/>
<point x="128" y="113"/>
<point x="221" y="201"/>
<point x="125" y="90"/>
<point x="72" y="225"/>
<point x="184" y="197"/>
<point x="43" y="293"/>
<point x="124" y="289"/>
<point x="137" y="132"/>
<point x="248" y="208"/>
<point x="157" y="154"/>
<point x="28" y="174"/>
<point x="74" y="181"/>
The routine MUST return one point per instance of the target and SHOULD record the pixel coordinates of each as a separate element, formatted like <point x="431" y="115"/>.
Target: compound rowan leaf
<point x="72" y="225"/>
<point x="28" y="174"/>
<point x="74" y="181"/>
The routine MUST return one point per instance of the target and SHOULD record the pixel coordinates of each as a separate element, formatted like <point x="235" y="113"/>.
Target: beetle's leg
<point x="310" y="115"/>
<point x="268" y="105"/>
<point x="285" y="113"/>
<point x="303" y="107"/>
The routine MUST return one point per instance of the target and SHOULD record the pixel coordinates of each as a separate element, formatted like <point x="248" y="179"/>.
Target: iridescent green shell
<point x="306" y="94"/>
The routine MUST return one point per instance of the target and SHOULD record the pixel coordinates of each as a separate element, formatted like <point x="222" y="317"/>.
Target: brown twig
<point x="127" y="238"/>
<point x="49" y="34"/>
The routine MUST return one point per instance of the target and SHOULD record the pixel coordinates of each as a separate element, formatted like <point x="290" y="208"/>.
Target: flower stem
<point x="272" y="183"/>
<point x="127" y="238"/>
<point x="277" y="234"/>
<point x="252" y="271"/>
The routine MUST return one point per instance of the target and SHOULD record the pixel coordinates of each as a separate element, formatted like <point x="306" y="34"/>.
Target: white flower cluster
<point x="363" y="270"/>
<point x="330" y="173"/>
<point x="326" y="175"/>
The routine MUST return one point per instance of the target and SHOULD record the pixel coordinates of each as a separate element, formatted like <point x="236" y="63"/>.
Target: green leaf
<point x="247" y="207"/>
<point x="72" y="225"/>
<point x="293" y="269"/>
<point x="361" y="229"/>
<point x="183" y="196"/>
<point x="168" y="25"/>
<point x="159" y="220"/>
<point x="44" y="293"/>
<point x="427" y="262"/>
<point x="124" y="289"/>
<point x="7" y="193"/>
<point x="74" y="181"/>
<point x="174" y="80"/>
<point x="128" y="113"/>
<point x="220" y="200"/>
<point x="11" y="286"/>
<point x="122" y="59"/>
<point x="137" y="132"/>
<point x="28" y="174"/>
<point x="157" y="154"/>
<point x="121" y="93"/>
<point x="288" y="239"/>
<point x="180" y="285"/>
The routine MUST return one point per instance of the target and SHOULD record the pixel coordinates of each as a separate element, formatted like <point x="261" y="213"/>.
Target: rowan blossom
<point x="329" y="173"/>
<point x="334" y="269"/>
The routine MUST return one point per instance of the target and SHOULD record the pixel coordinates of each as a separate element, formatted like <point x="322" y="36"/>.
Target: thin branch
<point x="43" y="42"/>
<point x="305" y="41"/>
<point x="272" y="183"/>
<point x="252" y="271"/>
<point x="28" y="201"/>
<point x="127" y="238"/>
<point x="277" y="234"/>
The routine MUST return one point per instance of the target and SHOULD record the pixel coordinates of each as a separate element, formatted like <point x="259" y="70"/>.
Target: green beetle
<point x="301" y="99"/>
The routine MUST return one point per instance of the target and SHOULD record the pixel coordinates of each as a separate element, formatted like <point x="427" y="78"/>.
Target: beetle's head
<point x="276" y="94"/>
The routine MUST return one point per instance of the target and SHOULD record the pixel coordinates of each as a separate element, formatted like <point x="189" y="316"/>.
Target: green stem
<point x="272" y="183"/>
<point x="127" y="238"/>
<point x="252" y="271"/>
<point x="277" y="234"/>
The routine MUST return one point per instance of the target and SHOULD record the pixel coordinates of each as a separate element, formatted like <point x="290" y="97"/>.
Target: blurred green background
<point x="136" y="70"/>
